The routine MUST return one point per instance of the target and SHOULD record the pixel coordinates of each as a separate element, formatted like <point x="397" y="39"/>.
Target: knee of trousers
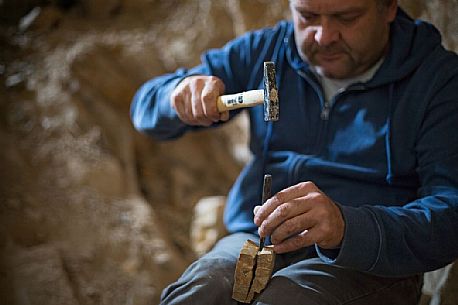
<point x="206" y="279"/>
<point x="283" y="291"/>
<point x="214" y="272"/>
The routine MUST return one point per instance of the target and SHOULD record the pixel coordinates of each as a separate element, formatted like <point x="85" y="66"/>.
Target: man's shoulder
<point x="279" y="27"/>
<point x="416" y="49"/>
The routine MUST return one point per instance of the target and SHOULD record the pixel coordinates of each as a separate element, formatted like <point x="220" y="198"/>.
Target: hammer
<point x="268" y="96"/>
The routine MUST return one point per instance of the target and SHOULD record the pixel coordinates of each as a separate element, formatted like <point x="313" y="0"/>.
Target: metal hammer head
<point x="271" y="105"/>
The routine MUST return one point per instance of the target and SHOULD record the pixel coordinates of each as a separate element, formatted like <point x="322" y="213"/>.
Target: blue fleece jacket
<point x="385" y="150"/>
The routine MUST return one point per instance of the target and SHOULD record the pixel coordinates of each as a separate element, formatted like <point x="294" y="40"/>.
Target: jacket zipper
<point x="325" y="111"/>
<point x="325" y="106"/>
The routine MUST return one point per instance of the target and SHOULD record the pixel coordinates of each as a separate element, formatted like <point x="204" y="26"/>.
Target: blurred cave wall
<point x="92" y="212"/>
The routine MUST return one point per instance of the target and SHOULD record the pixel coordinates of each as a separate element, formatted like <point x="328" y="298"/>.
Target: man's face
<point x="341" y="38"/>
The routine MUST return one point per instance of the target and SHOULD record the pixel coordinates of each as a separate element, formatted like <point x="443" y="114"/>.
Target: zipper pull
<point x="325" y="112"/>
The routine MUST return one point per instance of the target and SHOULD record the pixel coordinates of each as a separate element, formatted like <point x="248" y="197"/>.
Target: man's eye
<point x="348" y="18"/>
<point x="307" y="16"/>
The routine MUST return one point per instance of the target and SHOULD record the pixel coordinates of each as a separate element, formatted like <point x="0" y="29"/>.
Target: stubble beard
<point x="344" y="67"/>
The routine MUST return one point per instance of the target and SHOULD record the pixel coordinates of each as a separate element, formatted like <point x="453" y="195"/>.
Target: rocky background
<point x="92" y="212"/>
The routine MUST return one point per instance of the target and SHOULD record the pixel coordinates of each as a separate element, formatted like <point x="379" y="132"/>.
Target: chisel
<point x="266" y="193"/>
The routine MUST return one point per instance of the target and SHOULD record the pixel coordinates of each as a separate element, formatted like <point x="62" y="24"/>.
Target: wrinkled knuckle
<point x="190" y="83"/>
<point x="175" y="98"/>
<point x="315" y="195"/>
<point x="197" y="80"/>
<point x="321" y="213"/>
<point x="282" y="211"/>
<point x="199" y="116"/>
<point x="303" y="186"/>
<point x="212" y="78"/>
<point x="280" y="196"/>
<point x="306" y="184"/>
<point x="259" y="217"/>
<point x="310" y="185"/>
<point x="326" y="228"/>
<point x="216" y="81"/>
<point x="263" y="229"/>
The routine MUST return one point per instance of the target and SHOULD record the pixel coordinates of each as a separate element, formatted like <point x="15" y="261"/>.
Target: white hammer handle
<point x="240" y="100"/>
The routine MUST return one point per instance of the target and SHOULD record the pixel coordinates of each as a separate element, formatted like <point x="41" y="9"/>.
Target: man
<point x="364" y="158"/>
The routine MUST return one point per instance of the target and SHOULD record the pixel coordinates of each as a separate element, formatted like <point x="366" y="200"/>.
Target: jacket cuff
<point x="165" y="108"/>
<point x="361" y="244"/>
<point x="327" y="255"/>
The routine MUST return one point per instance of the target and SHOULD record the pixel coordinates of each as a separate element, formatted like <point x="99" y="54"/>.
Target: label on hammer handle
<point x="240" y="100"/>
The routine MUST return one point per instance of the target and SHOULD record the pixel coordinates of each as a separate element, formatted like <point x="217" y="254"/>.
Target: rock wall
<point x="91" y="212"/>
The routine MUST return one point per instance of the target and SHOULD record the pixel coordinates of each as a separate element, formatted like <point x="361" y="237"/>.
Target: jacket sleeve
<point x="422" y="235"/>
<point x="234" y="64"/>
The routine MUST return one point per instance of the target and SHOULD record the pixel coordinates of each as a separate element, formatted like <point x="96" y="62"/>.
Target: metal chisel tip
<point x="266" y="193"/>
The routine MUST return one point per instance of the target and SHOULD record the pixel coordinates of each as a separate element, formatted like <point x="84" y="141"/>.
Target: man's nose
<point x="326" y="33"/>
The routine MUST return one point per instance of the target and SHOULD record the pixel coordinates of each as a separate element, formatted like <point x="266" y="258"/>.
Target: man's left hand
<point x="300" y="216"/>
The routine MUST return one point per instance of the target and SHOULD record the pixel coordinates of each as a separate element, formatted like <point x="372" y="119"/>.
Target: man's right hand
<point x="194" y="100"/>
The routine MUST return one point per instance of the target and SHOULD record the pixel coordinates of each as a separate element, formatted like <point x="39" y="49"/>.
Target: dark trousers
<point x="299" y="278"/>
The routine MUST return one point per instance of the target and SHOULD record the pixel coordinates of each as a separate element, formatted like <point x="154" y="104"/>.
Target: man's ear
<point x="392" y="9"/>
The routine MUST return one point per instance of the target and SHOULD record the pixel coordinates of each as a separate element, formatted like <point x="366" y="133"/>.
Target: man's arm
<point x="150" y="110"/>
<point x="422" y="235"/>
<point x="166" y="106"/>
<point x="384" y="240"/>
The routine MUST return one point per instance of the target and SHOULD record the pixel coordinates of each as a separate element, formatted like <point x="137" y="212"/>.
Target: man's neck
<point x="333" y="86"/>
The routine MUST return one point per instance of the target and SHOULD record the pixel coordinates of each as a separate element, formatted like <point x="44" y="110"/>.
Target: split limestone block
<point x="264" y="265"/>
<point x="244" y="271"/>
<point x="252" y="272"/>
